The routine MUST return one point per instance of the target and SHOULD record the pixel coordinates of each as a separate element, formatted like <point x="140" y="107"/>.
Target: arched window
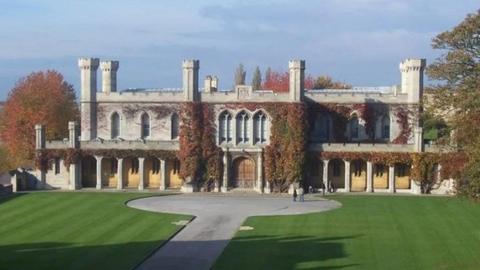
<point x="115" y="126"/>
<point x="225" y="127"/>
<point x="260" y="127"/>
<point x="145" y="132"/>
<point x="386" y="127"/>
<point x="175" y="126"/>
<point x="243" y="127"/>
<point x="354" y="127"/>
<point x="321" y="128"/>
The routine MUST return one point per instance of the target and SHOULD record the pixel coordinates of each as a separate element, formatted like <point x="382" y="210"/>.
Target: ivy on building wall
<point x="199" y="156"/>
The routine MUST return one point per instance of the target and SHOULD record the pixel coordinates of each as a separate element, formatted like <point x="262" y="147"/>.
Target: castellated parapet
<point x="109" y="76"/>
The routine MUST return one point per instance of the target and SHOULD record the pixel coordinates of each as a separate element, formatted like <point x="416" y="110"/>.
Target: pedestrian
<point x="300" y="194"/>
<point x="294" y="194"/>
<point x="323" y="189"/>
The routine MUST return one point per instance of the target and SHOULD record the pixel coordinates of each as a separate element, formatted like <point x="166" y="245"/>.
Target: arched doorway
<point x="243" y="173"/>
<point x="89" y="172"/>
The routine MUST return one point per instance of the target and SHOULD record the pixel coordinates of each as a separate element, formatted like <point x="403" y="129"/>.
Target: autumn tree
<point x="240" y="75"/>
<point x="39" y="98"/>
<point x="257" y="79"/>
<point x="326" y="82"/>
<point x="457" y="96"/>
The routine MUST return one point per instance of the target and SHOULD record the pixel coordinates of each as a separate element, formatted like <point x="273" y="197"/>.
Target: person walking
<point x="294" y="194"/>
<point x="300" y="194"/>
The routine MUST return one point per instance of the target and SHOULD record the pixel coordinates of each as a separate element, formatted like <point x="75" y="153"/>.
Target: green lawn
<point x="368" y="232"/>
<point x="53" y="230"/>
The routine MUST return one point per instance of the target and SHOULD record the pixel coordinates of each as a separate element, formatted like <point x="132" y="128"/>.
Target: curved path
<point x="218" y="217"/>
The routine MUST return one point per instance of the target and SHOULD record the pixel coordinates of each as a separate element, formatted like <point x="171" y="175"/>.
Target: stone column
<point x="297" y="79"/>
<point x="74" y="173"/>
<point x="252" y="133"/>
<point x="99" y="171"/>
<point x="347" y="175"/>
<point x="391" y="179"/>
<point x="267" y="189"/>
<point x="259" y="185"/>
<point x="109" y="76"/>
<point x="141" y="170"/>
<point x="120" y="173"/>
<point x="163" y="175"/>
<point x="369" y="176"/>
<point x="190" y="79"/>
<point x="325" y="174"/>
<point x="225" y="171"/>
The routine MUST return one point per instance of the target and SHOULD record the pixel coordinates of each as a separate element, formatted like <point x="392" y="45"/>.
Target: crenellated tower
<point x="88" y="83"/>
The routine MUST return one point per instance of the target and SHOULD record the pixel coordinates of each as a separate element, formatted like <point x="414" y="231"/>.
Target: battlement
<point x="88" y="63"/>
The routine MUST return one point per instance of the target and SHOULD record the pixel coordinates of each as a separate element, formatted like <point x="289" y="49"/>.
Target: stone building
<point x="138" y="120"/>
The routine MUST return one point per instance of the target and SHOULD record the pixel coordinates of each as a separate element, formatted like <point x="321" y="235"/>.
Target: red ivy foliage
<point x="402" y="114"/>
<point x="199" y="155"/>
<point x="279" y="81"/>
<point x="285" y="156"/>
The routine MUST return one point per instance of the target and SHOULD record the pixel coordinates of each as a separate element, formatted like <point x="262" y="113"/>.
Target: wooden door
<point x="244" y="173"/>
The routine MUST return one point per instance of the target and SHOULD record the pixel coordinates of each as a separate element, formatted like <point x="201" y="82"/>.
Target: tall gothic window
<point x="175" y="126"/>
<point x="145" y="132"/>
<point x="243" y="127"/>
<point x="354" y="127"/>
<point x="260" y="127"/>
<point x="225" y="127"/>
<point x="115" y="126"/>
<point x="321" y="128"/>
<point x="386" y="127"/>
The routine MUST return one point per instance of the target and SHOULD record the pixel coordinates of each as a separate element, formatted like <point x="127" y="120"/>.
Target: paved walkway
<point x="218" y="217"/>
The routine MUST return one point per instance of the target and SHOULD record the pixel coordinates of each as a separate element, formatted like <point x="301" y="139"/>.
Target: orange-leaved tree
<point x="279" y="81"/>
<point x="40" y="98"/>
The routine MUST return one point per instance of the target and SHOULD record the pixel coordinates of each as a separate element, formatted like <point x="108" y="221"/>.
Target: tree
<point x="257" y="79"/>
<point x="39" y="98"/>
<point x="240" y="75"/>
<point x="457" y="96"/>
<point x="326" y="82"/>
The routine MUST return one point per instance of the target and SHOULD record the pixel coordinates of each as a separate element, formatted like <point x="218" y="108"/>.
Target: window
<point x="225" y="127"/>
<point x="145" y="132"/>
<point x="135" y="165"/>
<point x="115" y="126"/>
<point x="175" y="126"/>
<point x="386" y="127"/>
<point x="336" y="168"/>
<point x="354" y="127"/>
<point x="155" y="166"/>
<point x="57" y="165"/>
<point x="320" y="129"/>
<point x="379" y="170"/>
<point x="260" y="127"/>
<point x="243" y="127"/>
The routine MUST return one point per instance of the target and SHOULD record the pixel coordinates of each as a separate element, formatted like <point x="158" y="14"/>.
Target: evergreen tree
<point x="257" y="79"/>
<point x="240" y="75"/>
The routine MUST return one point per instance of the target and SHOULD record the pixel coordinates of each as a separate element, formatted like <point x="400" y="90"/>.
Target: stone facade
<point x="148" y="119"/>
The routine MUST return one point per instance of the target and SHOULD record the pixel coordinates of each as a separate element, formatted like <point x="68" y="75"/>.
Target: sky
<point x="360" y="42"/>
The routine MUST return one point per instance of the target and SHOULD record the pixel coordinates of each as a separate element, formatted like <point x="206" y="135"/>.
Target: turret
<point x="190" y="79"/>
<point x="210" y="84"/>
<point x="39" y="137"/>
<point x="88" y="81"/>
<point x="109" y="76"/>
<point x="297" y="79"/>
<point x="72" y="134"/>
<point x="412" y="79"/>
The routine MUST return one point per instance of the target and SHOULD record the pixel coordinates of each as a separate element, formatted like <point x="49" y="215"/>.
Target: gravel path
<point x="218" y="217"/>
